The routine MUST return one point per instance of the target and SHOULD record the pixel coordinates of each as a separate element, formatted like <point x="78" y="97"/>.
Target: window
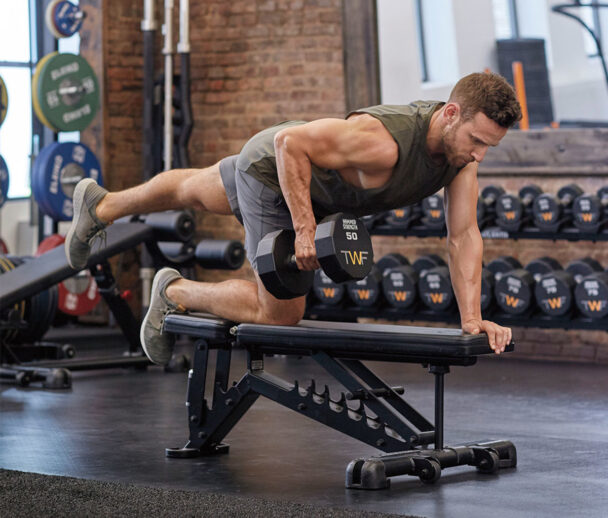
<point x="16" y="69"/>
<point x="505" y="19"/>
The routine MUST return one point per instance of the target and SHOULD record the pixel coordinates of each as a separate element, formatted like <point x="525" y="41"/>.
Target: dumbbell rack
<point x="419" y="312"/>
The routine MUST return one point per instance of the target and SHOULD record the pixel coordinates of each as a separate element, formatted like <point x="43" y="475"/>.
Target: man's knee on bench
<point x="277" y="312"/>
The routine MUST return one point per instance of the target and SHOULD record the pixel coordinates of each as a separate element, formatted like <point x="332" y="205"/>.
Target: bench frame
<point x="396" y="427"/>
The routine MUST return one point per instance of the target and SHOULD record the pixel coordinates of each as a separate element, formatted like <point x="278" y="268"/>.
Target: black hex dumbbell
<point x="486" y="204"/>
<point x="344" y="251"/>
<point x="513" y="211"/>
<point x="366" y="292"/>
<point x="435" y="289"/>
<point x="591" y="291"/>
<point x="554" y="290"/>
<point x="327" y="291"/>
<point x="590" y="211"/>
<point x="550" y="211"/>
<point x="403" y="217"/>
<point x="487" y="289"/>
<point x="426" y="262"/>
<point x="433" y="213"/>
<point x="399" y="284"/>
<point x="515" y="289"/>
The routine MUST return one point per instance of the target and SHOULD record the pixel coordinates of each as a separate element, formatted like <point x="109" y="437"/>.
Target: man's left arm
<point x="465" y="250"/>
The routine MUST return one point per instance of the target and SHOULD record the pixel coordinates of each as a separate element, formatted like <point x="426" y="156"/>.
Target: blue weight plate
<point x="3" y="181"/>
<point x="38" y="183"/>
<point x="58" y="172"/>
<point x="67" y="18"/>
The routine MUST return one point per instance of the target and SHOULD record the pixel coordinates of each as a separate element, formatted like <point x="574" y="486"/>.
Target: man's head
<point x="481" y="107"/>
<point x="489" y="94"/>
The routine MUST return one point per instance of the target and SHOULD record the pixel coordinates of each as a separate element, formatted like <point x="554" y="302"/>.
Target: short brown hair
<point x="488" y="93"/>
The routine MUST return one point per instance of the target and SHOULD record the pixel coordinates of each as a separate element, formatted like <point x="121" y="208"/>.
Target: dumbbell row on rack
<point x="529" y="210"/>
<point x="507" y="287"/>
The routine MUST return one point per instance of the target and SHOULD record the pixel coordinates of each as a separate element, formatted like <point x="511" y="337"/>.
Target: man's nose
<point x="479" y="153"/>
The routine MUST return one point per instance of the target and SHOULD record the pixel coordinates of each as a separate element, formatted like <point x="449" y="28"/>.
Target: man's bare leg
<point x="176" y="189"/>
<point x="238" y="300"/>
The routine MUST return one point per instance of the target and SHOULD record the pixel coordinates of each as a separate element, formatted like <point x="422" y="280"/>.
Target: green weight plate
<point x="35" y="97"/>
<point x="3" y="101"/>
<point x="68" y="92"/>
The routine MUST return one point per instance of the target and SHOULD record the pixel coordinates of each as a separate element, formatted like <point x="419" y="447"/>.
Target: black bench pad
<point x="201" y="325"/>
<point x="52" y="267"/>
<point x="372" y="341"/>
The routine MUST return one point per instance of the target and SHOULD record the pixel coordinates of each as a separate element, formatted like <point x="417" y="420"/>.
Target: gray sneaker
<point x="85" y="224"/>
<point x="157" y="345"/>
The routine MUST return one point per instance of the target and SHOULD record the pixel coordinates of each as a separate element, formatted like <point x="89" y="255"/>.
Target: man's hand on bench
<point x="498" y="337"/>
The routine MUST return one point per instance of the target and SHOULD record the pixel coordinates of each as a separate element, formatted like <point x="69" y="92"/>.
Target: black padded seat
<point x="201" y="325"/>
<point x="364" y="341"/>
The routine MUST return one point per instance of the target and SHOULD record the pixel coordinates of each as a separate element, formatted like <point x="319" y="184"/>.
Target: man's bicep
<point x="461" y="201"/>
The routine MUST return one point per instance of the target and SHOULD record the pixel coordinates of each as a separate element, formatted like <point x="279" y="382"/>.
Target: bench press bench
<point x="376" y="415"/>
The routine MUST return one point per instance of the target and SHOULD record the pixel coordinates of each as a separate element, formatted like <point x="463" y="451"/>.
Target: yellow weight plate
<point x="35" y="90"/>
<point x="3" y="101"/>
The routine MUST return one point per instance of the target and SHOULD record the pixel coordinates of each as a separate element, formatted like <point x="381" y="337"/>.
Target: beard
<point x="449" y="146"/>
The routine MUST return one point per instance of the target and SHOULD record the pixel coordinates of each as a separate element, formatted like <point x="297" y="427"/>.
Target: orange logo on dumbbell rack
<point x="400" y="296"/>
<point x="509" y="215"/>
<point x="595" y="305"/>
<point x="329" y="293"/>
<point x="436" y="298"/>
<point x="512" y="301"/>
<point x="363" y="294"/>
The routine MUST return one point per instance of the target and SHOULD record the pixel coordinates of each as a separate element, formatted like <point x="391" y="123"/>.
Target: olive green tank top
<point x="415" y="176"/>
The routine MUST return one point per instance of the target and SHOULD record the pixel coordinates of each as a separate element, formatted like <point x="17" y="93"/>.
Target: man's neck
<point x="434" y="141"/>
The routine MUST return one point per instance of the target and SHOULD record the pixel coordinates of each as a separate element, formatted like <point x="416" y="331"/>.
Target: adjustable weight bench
<point x="377" y="414"/>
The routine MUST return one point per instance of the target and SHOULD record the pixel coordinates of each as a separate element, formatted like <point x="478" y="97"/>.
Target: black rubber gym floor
<point x="113" y="425"/>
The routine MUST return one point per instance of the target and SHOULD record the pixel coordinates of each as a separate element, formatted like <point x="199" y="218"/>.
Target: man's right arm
<point x="360" y="142"/>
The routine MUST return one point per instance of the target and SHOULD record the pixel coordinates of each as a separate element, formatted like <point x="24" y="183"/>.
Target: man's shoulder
<point x="398" y="109"/>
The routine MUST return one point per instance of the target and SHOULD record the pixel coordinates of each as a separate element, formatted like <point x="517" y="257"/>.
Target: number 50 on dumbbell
<point x="344" y="251"/>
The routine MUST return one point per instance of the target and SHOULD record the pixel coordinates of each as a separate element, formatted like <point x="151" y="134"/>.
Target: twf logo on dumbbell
<point x="336" y="238"/>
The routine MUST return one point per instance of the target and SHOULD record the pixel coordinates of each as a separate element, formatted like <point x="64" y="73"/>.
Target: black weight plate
<point x="542" y="265"/>
<point x="435" y="288"/>
<point x="591" y="295"/>
<point x="509" y="209"/>
<point x="433" y="210"/>
<point x="491" y="193"/>
<point x="529" y="192"/>
<point x="502" y="265"/>
<point x="569" y="192"/>
<point x="399" y="285"/>
<point x="366" y="292"/>
<point x="326" y="290"/>
<point x="587" y="210"/>
<point x="487" y="289"/>
<point x="514" y="291"/>
<point x="580" y="268"/>
<point x="279" y="279"/>
<point x="391" y="260"/>
<point x="397" y="217"/>
<point x="344" y="247"/>
<point x="426" y="262"/>
<point x="602" y="192"/>
<point x="547" y="210"/>
<point x="554" y="292"/>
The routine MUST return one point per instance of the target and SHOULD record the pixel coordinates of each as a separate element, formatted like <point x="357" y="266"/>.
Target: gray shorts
<point x="259" y="209"/>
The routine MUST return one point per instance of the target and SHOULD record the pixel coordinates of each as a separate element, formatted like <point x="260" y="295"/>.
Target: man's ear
<point x="451" y="112"/>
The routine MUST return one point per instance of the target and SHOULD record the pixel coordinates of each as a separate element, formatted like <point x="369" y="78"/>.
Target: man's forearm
<point x="294" y="173"/>
<point x="465" y="255"/>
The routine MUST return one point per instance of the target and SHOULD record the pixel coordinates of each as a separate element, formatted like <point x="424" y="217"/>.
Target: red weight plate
<point x="78" y="295"/>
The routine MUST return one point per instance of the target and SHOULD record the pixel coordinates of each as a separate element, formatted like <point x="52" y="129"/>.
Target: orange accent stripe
<point x="520" y="91"/>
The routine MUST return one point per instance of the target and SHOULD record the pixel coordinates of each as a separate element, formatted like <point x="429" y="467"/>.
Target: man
<point x="293" y="174"/>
